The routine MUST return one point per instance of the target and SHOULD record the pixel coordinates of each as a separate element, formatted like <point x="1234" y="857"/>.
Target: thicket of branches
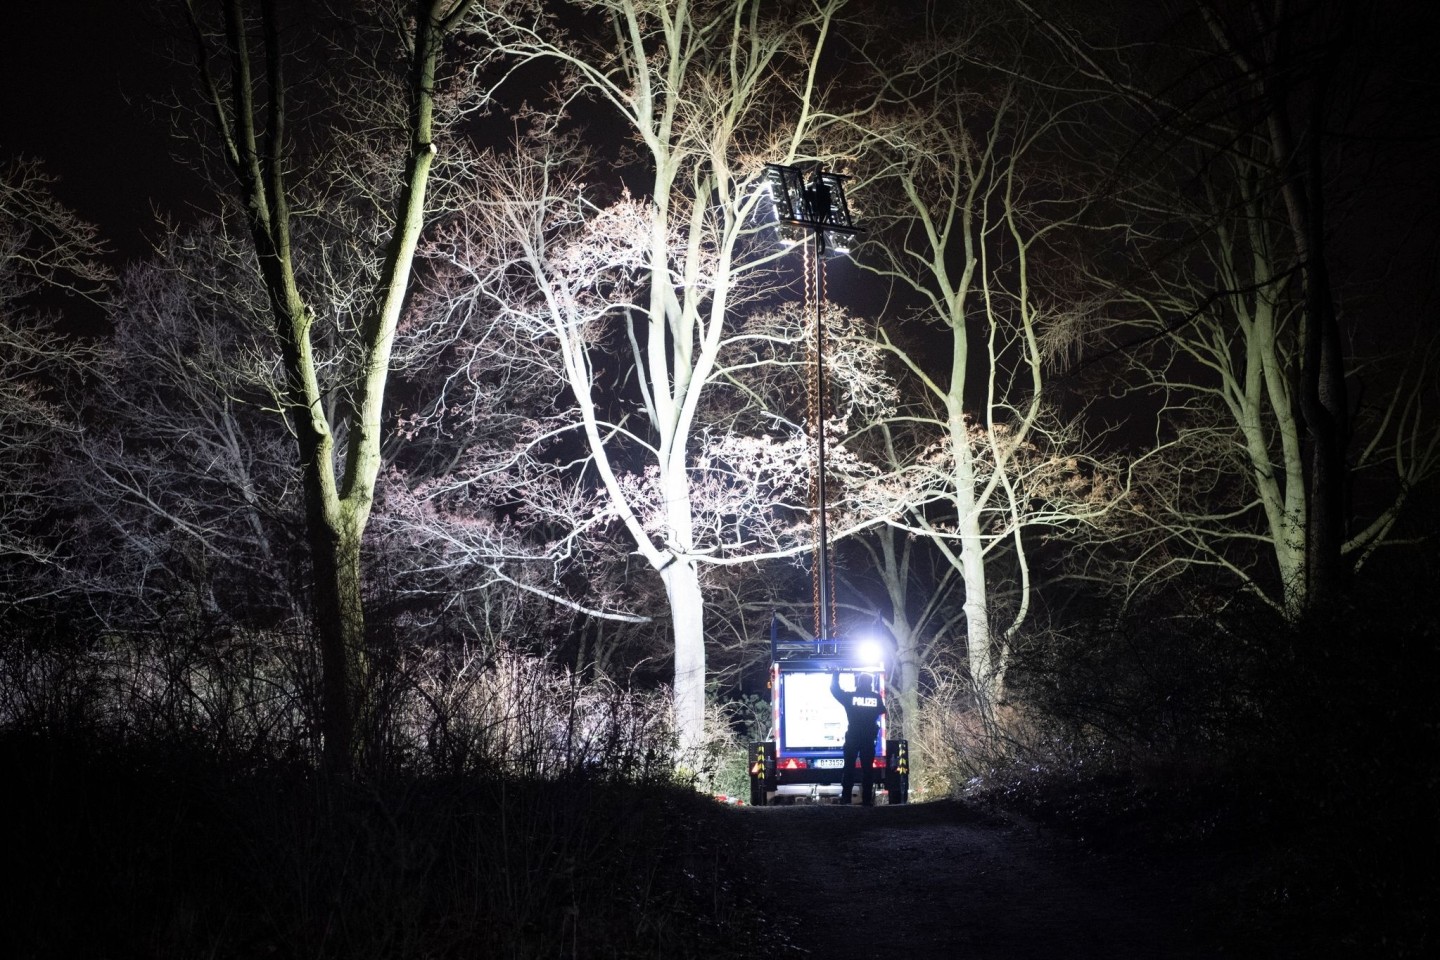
<point x="413" y="412"/>
<point x="436" y="484"/>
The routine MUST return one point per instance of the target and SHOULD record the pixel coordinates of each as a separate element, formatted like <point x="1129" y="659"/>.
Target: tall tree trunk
<point x="1322" y="387"/>
<point x="251" y="122"/>
<point x="340" y="626"/>
<point x="1322" y="382"/>
<point x="893" y="567"/>
<point x="907" y="683"/>
<point x="985" y="674"/>
<point x="334" y="534"/>
<point x="687" y="612"/>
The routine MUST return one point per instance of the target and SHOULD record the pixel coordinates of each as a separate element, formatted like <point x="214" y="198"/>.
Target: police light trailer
<point x="806" y="758"/>
<point x="808" y="751"/>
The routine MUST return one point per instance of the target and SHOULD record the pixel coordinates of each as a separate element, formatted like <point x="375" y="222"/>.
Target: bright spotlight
<point x="872" y="653"/>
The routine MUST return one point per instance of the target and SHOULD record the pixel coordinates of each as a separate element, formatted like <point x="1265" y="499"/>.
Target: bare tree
<point x="1215" y="334"/>
<point x="334" y="199"/>
<point x="551" y="274"/>
<point x="1287" y="73"/>
<point x="707" y="92"/>
<point x="1229" y="315"/>
<point x="43" y="247"/>
<point x="975" y="212"/>
<point x="185" y="482"/>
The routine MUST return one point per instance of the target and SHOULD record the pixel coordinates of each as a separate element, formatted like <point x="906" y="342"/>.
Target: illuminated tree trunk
<point x="1267" y="387"/>
<point x="907" y="674"/>
<point x="250" y="117"/>
<point x="697" y="87"/>
<point x="1279" y="78"/>
<point x="687" y="611"/>
<point x="987" y="674"/>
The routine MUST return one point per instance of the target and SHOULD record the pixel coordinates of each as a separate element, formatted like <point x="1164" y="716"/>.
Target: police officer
<point x="863" y="710"/>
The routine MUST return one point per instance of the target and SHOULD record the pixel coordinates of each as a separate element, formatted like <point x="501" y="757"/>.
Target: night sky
<point x="80" y="83"/>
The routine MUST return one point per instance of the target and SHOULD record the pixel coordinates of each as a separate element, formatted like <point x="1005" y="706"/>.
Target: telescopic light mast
<point x="815" y="209"/>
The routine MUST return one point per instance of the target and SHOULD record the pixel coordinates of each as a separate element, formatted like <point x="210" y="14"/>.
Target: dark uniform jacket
<point x="862" y="709"/>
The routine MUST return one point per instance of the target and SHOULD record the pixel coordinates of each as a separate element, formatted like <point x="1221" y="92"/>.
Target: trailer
<point x="805" y="756"/>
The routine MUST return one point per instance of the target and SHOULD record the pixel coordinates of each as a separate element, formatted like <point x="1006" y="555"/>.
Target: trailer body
<point x="805" y="754"/>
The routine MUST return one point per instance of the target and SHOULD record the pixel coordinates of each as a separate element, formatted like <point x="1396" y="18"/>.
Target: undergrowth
<point x="131" y="853"/>
<point x="166" y="801"/>
<point x="1298" y="766"/>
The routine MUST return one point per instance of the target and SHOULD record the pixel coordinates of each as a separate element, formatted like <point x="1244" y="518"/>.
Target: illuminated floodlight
<point x="814" y="207"/>
<point x="872" y="654"/>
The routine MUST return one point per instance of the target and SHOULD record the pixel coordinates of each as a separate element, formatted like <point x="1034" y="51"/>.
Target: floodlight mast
<point x="816" y="208"/>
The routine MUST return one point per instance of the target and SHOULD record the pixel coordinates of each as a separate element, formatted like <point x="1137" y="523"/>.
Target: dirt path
<point x="938" y="880"/>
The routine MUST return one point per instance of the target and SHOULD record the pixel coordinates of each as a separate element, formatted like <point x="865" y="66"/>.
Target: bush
<point x="168" y="803"/>
<point x="242" y="695"/>
<point x="125" y="852"/>
<point x="1309" y="752"/>
<point x="730" y="729"/>
<point x="517" y="715"/>
<point x="251" y="697"/>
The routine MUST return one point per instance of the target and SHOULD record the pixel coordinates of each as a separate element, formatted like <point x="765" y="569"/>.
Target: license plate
<point x="831" y="764"/>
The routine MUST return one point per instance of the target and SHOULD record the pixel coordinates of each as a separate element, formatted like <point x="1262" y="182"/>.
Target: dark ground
<point x="111" y="853"/>
<point x="943" y="880"/>
<point x="1108" y="866"/>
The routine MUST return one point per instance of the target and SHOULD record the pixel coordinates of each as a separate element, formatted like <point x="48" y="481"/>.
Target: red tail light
<point x="878" y="763"/>
<point x="792" y="763"/>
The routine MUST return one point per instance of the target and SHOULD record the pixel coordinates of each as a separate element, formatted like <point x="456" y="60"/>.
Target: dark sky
<point x="77" y="85"/>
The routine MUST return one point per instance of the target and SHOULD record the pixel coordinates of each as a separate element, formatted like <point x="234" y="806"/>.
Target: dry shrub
<point x="954" y="750"/>
<point x="513" y="714"/>
<point x="252" y="696"/>
<point x="240" y="694"/>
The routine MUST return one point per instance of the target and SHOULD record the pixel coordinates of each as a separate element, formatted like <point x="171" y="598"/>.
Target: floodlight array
<point x="810" y="208"/>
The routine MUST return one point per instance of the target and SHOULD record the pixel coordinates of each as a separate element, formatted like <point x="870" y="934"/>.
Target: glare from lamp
<point x="872" y="653"/>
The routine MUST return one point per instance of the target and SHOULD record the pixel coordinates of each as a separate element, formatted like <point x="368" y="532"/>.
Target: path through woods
<point x="940" y="880"/>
